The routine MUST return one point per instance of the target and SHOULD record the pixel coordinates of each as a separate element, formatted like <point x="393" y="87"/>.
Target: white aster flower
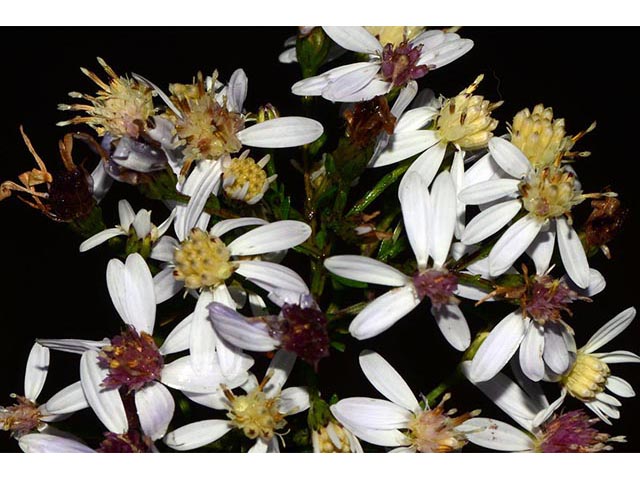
<point x="429" y="220"/>
<point x="399" y="421"/>
<point x="388" y="65"/>
<point x="244" y="179"/>
<point x="259" y="414"/>
<point x="27" y="415"/>
<point x="545" y="340"/>
<point x="140" y="222"/>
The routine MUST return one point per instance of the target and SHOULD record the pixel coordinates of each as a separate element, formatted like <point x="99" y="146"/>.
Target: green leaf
<point x="347" y="281"/>
<point x="339" y="346"/>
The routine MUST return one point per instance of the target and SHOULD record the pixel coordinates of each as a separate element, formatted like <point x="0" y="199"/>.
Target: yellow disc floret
<point x="255" y="414"/>
<point x="466" y="119"/>
<point x="587" y="377"/>
<point x="331" y="439"/>
<point x="202" y="261"/>
<point x="244" y="179"/>
<point x="394" y="35"/>
<point x="550" y="192"/>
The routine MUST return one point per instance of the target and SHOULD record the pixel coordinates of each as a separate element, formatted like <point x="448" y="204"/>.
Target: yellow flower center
<point x="541" y="138"/>
<point x="394" y="35"/>
<point x="550" y="192"/>
<point x="587" y="378"/>
<point x="332" y="439"/>
<point x="256" y="414"/>
<point x="249" y="180"/>
<point x="466" y="119"/>
<point x="202" y="261"/>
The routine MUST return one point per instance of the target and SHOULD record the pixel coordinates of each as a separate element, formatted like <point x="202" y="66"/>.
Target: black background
<point x="50" y="290"/>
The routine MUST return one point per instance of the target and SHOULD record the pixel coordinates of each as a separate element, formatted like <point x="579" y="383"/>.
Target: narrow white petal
<point x="365" y="269"/>
<point x="261" y="446"/>
<point x="45" y="443"/>
<point x="498" y="347"/>
<point x="126" y="214"/>
<point x="278" y="371"/>
<point x="471" y="293"/>
<point x="387" y="380"/>
<point x="36" y="371"/>
<point x="240" y="331"/>
<point x="496" y="435"/>
<point x="489" y="221"/>
<point x="202" y="338"/>
<point x="406" y="95"/>
<point x="142" y="223"/>
<point x="541" y="250"/>
<point x="489" y="191"/>
<point x="595" y="408"/>
<point x="165" y="285"/>
<point x="572" y="253"/>
<point x="164" y="226"/>
<point x="416" y="209"/>
<point x="513" y="243"/>
<point x="556" y="355"/>
<point x="608" y="399"/>
<point x="546" y="412"/>
<point x="453" y="325"/>
<point x="288" y="56"/>
<point x="106" y="403"/>
<point x="531" y="350"/>
<point x="403" y="145"/>
<point x="356" y="39"/>
<point x="116" y="286"/>
<point x="415" y="119"/>
<point x="609" y="410"/>
<point x="198" y="434"/>
<point x="164" y="249"/>
<point x="100" y="238"/>
<point x="481" y="171"/>
<point x="140" y="297"/>
<point x="374" y="88"/>
<point x="281" y="132"/>
<point x="509" y="157"/>
<point x="102" y="182"/>
<point x="224" y="226"/>
<point x="315" y="85"/>
<point x="532" y="389"/>
<point x="383" y="312"/>
<point x="428" y="163"/>
<point x="373" y="413"/>
<point x="610" y="330"/>
<point x="155" y="406"/>
<point x="69" y="399"/>
<point x="237" y="92"/>
<point x="271" y="276"/>
<point x="443" y="220"/>
<point x="72" y="345"/>
<point x="620" y="387"/>
<point x="271" y="238"/>
<point x="385" y="438"/>
<point x="160" y="93"/>
<point x="293" y="400"/>
<point x="457" y="176"/>
<point x="445" y="53"/>
<point x="619" y="356"/>
<point x="597" y="283"/>
<point x="180" y="375"/>
<point x="216" y="400"/>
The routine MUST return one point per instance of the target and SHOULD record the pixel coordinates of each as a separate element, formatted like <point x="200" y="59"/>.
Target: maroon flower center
<point x="130" y="442"/>
<point x="303" y="331"/>
<point x="438" y="285"/>
<point x="572" y="432"/>
<point x="548" y="298"/>
<point x="399" y="64"/>
<point x="133" y="360"/>
<point x="20" y="418"/>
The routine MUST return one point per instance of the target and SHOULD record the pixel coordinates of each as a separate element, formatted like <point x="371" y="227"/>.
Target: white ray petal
<point x="281" y="132"/>
<point x="546" y="412"/>
<point x="383" y="312"/>
<point x="620" y="387"/>
<point x="416" y="212"/>
<point x="597" y="283"/>
<point x="178" y="338"/>
<point x="386" y="438"/>
<point x="403" y="145"/>
<point x="481" y="171"/>
<point x="373" y="413"/>
<point x="216" y="400"/>
<point x="609" y="410"/>
<point x="164" y="226"/>
<point x="72" y="345"/>
<point x="509" y="157"/>
<point x="45" y="443"/>
<point x="555" y="354"/>
<point x="372" y="89"/>
<point x="513" y="243"/>
<point x="36" y="371"/>
<point x="202" y="338"/>
<point x="489" y="191"/>
<point x="428" y="163"/>
<point x="365" y="269"/>
<point x="356" y="39"/>
<point x="198" y="434"/>
<point x="457" y="176"/>
<point x="164" y="249"/>
<point x="608" y="399"/>
<point x="595" y="408"/>
<point x="180" y="375"/>
<point x="69" y="399"/>
<point x="155" y="406"/>
<point x="619" y="356"/>
<point x="125" y="214"/>
<point x="237" y="92"/>
<point x="271" y="276"/>
<point x="278" y="372"/>
<point x="415" y="119"/>
<point x="572" y="253"/>
<point x="106" y="403"/>
<point x="238" y="330"/>
<point x="350" y="83"/>
<point x="471" y="293"/>
<point x="160" y="93"/>
<point x="224" y="226"/>
<point x="443" y="221"/>
<point x="532" y="389"/>
<point x="541" y="250"/>
<point x="531" y="350"/>
<point x="165" y="285"/>
<point x="139" y="294"/>
<point x="142" y="223"/>
<point x="499" y="347"/>
<point x="387" y="380"/>
<point x="490" y="221"/>
<point x="293" y="400"/>
<point x="406" y="95"/>
<point x="315" y="85"/>
<point x="102" y="182"/>
<point x="453" y="325"/>
<point x="445" y="53"/>
<point x="496" y="435"/>
<point x="270" y="238"/>
<point x="99" y="238"/>
<point x="610" y="330"/>
<point x="116" y="286"/>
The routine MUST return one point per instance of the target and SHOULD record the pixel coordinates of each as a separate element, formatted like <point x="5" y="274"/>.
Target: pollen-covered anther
<point x="133" y="360"/>
<point x="438" y="285"/>
<point x="20" y="418"/>
<point x="587" y="377"/>
<point x="466" y="119"/>
<point x="255" y="414"/>
<point x="399" y="63"/>
<point x="202" y="261"/>
<point x="332" y="438"/>
<point x="130" y="442"/>
<point x="244" y="179"/>
<point x="121" y="107"/>
<point x="573" y="432"/>
<point x="434" y="430"/>
<point x="550" y="192"/>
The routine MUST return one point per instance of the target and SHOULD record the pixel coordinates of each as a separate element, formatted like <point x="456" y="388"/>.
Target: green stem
<point x="384" y="183"/>
<point x="432" y="397"/>
<point x="476" y="281"/>
<point x="350" y="310"/>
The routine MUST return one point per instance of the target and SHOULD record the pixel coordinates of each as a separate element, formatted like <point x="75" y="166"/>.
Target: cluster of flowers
<point x="477" y="212"/>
